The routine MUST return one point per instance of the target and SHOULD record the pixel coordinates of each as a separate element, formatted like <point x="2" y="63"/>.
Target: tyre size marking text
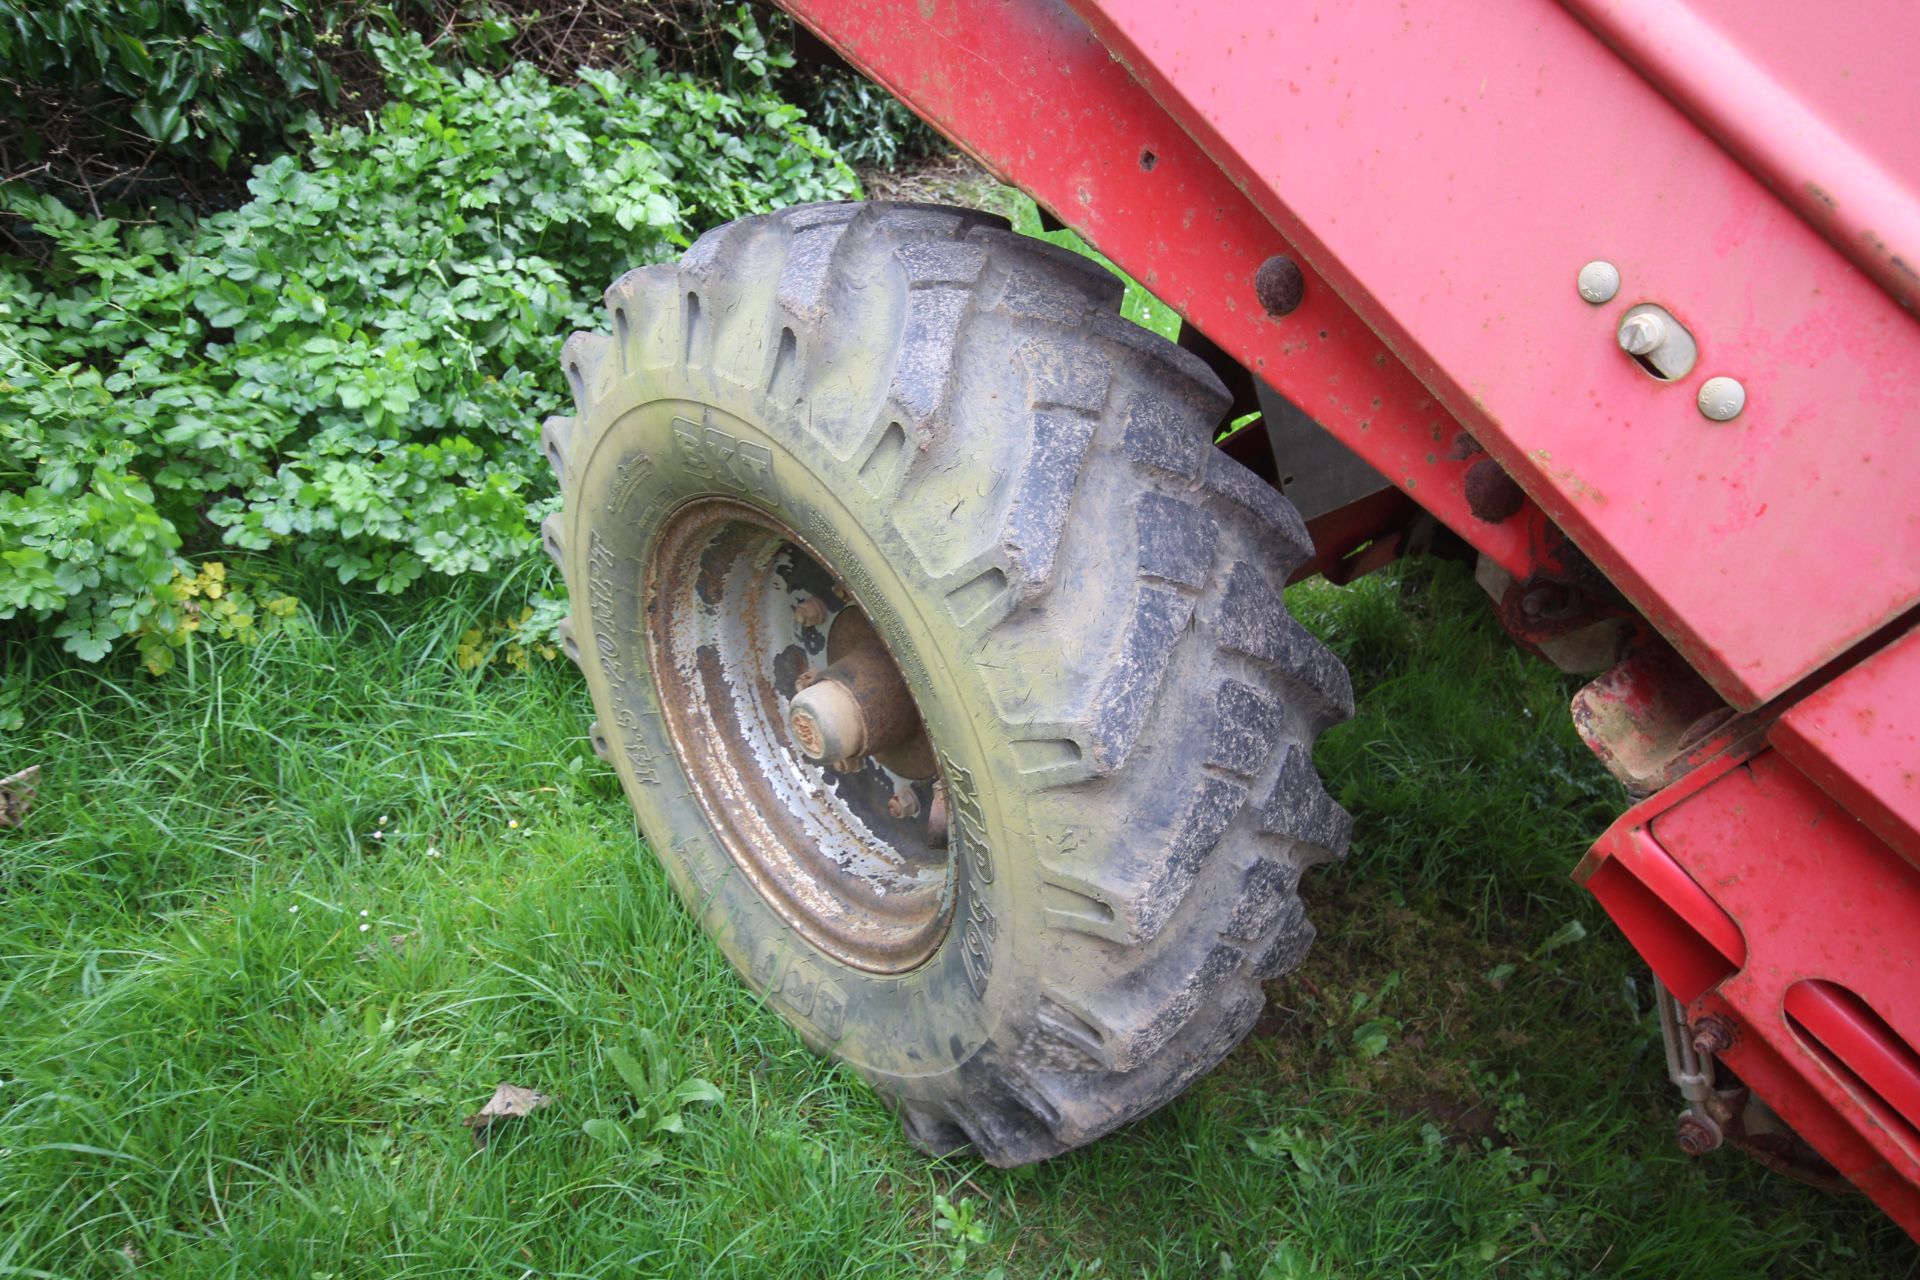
<point x="963" y="798"/>
<point x="638" y="754"/>
<point x="969" y="823"/>
<point x="976" y="943"/>
<point x="600" y="602"/>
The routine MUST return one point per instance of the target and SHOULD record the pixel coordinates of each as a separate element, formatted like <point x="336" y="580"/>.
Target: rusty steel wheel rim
<point x="768" y="668"/>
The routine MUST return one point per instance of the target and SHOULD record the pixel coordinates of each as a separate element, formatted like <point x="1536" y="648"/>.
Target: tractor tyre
<point x="944" y="661"/>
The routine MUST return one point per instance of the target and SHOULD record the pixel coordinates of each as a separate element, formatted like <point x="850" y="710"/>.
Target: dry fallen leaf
<point x="16" y="795"/>
<point x="508" y="1101"/>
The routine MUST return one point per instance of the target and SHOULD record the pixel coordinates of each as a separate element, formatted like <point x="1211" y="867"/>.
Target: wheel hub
<point x="799" y="734"/>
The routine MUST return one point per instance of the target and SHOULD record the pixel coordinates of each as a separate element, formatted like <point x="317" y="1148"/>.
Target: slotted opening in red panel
<point x="1873" y="1061"/>
<point x="1674" y="947"/>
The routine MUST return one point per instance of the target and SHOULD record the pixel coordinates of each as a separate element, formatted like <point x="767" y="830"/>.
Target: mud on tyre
<point x="904" y="434"/>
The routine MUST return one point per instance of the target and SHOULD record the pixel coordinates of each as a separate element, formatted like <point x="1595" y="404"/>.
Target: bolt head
<point x="903" y="804"/>
<point x="1642" y="333"/>
<point x="810" y="612"/>
<point x="1599" y="281"/>
<point x="1280" y="285"/>
<point x="1722" y="399"/>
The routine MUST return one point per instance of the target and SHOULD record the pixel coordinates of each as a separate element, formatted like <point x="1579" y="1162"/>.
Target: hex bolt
<point x="1280" y="285"/>
<point x="810" y="612"/>
<point x="903" y="804"/>
<point x="1713" y="1034"/>
<point x="1722" y="399"/>
<point x="1599" y="281"/>
<point x="1642" y="333"/>
<point x="807" y="678"/>
<point x="1696" y="1136"/>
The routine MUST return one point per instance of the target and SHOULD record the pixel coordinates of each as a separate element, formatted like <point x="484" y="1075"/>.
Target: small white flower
<point x="512" y="823"/>
<point x="432" y="852"/>
<point x="365" y="927"/>
<point x="294" y="910"/>
<point x="379" y="835"/>
<point x="383" y="819"/>
<point x="363" y="915"/>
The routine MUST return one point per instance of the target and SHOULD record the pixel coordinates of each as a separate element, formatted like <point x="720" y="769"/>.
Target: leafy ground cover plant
<point x="353" y="365"/>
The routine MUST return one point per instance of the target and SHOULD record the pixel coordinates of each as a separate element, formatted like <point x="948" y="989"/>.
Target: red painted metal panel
<point x="1822" y="111"/>
<point x="1859" y="739"/>
<point x="1830" y="1130"/>
<point x="1818" y="900"/>
<point x="1449" y="165"/>
<point x="1024" y="87"/>
<point x="1844" y="1025"/>
<point x="1689" y="941"/>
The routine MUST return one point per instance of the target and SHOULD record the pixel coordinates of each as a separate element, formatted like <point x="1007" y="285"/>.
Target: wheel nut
<point x="903" y="804"/>
<point x="810" y="612"/>
<point x="826" y="723"/>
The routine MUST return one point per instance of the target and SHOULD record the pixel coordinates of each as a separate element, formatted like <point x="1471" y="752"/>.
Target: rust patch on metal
<point x="1492" y="494"/>
<point x="1652" y="720"/>
<point x="1751" y="1125"/>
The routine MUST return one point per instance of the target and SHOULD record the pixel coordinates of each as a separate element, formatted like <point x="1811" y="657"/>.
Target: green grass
<point x="242" y="1017"/>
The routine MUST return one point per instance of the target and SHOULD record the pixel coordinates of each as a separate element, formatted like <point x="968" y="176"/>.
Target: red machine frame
<point x="1440" y="170"/>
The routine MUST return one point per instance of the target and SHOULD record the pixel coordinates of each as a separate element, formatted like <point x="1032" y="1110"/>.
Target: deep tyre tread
<point x="1107" y="585"/>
